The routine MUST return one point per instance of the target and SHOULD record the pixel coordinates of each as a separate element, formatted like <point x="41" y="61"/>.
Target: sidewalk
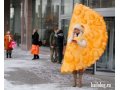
<point x="23" y="72"/>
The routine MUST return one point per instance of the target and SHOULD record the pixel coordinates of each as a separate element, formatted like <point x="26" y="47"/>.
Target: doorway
<point x="107" y="61"/>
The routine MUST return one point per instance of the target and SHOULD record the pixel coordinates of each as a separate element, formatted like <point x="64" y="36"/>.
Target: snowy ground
<point x="22" y="73"/>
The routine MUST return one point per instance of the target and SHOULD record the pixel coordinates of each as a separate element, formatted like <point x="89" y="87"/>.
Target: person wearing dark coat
<point x="35" y="44"/>
<point x="60" y="44"/>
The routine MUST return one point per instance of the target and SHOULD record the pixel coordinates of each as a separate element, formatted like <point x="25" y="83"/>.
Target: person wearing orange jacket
<point x="35" y="44"/>
<point x="7" y="43"/>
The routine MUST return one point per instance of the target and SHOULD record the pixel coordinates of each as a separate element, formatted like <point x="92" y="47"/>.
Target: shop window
<point x="66" y="7"/>
<point x="97" y="3"/>
<point x="45" y="16"/>
<point x="107" y="61"/>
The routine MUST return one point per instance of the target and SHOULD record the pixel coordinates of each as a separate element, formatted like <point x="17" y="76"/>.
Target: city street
<point x="23" y="73"/>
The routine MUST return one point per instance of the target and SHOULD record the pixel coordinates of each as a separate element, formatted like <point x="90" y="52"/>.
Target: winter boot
<point x="37" y="56"/>
<point x="10" y="55"/>
<point x="7" y="55"/>
<point x="75" y="78"/>
<point x="34" y="57"/>
<point x="80" y="79"/>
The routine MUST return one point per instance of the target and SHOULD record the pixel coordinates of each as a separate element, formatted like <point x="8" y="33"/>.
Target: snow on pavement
<point x="23" y="73"/>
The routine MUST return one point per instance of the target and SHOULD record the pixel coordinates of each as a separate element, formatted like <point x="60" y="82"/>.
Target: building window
<point x="94" y="3"/>
<point x="97" y="3"/>
<point x="66" y="7"/>
<point x="12" y="20"/>
<point x="76" y="1"/>
<point x="106" y="3"/>
<point x="37" y="14"/>
<point x="65" y="26"/>
<point x="45" y="16"/>
<point x="85" y="2"/>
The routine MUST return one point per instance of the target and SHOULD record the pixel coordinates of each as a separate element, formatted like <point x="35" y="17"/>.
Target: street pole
<point x="94" y="68"/>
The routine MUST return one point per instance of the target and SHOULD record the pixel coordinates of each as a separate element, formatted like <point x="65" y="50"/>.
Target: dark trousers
<point x="18" y="42"/>
<point x="60" y="53"/>
<point x="8" y="53"/>
<point x="53" y="54"/>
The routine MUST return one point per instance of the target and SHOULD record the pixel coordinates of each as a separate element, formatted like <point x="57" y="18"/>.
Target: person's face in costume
<point x="78" y="31"/>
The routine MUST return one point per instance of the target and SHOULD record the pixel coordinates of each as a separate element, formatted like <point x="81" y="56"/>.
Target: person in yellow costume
<point x="87" y="39"/>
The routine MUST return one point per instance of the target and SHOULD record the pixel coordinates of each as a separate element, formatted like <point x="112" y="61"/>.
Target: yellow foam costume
<point x="77" y="57"/>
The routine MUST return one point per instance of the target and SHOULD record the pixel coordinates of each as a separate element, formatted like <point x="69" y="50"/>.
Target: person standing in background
<point x="60" y="43"/>
<point x="53" y="45"/>
<point x="35" y="44"/>
<point x="17" y="39"/>
<point x="8" y="38"/>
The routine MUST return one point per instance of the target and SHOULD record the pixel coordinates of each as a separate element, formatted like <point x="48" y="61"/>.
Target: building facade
<point x="22" y="16"/>
<point x="105" y="8"/>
